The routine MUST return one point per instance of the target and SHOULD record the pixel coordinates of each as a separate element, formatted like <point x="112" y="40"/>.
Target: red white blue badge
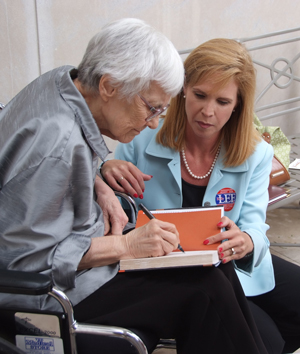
<point x="226" y="197"/>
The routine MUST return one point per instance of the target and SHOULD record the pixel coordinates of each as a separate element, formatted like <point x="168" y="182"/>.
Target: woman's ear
<point x="106" y="90"/>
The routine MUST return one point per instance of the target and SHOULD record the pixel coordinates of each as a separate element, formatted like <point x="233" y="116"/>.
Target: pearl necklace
<point x="210" y="170"/>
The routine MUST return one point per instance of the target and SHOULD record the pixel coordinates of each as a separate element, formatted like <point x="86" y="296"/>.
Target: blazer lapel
<point x="162" y="152"/>
<point x="219" y="168"/>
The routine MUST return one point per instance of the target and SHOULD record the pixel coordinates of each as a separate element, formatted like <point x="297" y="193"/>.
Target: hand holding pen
<point x="151" y="216"/>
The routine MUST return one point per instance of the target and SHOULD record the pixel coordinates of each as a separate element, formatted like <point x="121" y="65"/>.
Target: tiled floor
<point x="284" y="229"/>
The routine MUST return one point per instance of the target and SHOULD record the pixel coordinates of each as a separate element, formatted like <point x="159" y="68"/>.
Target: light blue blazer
<point x="242" y="190"/>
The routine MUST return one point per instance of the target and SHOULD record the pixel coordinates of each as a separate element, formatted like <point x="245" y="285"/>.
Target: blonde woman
<point x="207" y="152"/>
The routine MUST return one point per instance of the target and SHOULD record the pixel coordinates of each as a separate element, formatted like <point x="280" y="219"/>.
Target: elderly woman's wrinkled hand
<point x="123" y="176"/>
<point x="114" y="216"/>
<point x="235" y="243"/>
<point x="156" y="238"/>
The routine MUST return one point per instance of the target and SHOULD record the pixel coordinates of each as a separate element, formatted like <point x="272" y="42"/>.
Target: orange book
<point x="194" y="226"/>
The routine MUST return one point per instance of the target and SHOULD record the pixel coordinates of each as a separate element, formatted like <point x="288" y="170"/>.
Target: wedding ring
<point x="121" y="178"/>
<point x="233" y="251"/>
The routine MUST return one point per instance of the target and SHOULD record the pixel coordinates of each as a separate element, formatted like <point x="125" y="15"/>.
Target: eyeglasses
<point x="154" y="111"/>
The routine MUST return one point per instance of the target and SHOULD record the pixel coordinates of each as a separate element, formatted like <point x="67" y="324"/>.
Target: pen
<point x="151" y="216"/>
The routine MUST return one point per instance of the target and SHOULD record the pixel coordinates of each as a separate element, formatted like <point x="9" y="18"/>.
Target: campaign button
<point x="226" y="197"/>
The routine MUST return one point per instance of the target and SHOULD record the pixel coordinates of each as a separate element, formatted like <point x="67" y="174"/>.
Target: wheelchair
<point x="34" y="335"/>
<point x="35" y="332"/>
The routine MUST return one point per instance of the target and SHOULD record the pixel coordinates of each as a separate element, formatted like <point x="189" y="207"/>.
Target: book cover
<point x="276" y="193"/>
<point x="295" y="165"/>
<point x="194" y="226"/>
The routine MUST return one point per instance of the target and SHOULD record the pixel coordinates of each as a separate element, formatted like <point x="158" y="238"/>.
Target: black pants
<point x="203" y="308"/>
<point x="277" y="313"/>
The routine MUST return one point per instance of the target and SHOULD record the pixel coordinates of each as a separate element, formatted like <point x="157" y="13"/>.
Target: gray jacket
<point x="49" y="148"/>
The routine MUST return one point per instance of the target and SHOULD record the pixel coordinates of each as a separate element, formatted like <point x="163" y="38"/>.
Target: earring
<point x="183" y="96"/>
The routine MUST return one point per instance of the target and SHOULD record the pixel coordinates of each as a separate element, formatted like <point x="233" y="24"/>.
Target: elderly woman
<point x="50" y="141"/>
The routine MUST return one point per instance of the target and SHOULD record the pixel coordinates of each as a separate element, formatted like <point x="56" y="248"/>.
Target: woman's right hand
<point x="123" y="176"/>
<point x="156" y="238"/>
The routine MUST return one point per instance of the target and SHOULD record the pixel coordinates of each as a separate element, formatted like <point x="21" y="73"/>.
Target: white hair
<point x="133" y="54"/>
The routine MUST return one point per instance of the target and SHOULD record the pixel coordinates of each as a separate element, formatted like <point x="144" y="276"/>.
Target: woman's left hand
<point x="237" y="243"/>
<point x="114" y="216"/>
<point x="125" y="177"/>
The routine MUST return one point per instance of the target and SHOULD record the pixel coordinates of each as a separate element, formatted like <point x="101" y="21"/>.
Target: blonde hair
<point x="229" y="60"/>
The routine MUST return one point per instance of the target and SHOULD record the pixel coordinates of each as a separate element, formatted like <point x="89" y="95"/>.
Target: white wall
<point x="38" y="35"/>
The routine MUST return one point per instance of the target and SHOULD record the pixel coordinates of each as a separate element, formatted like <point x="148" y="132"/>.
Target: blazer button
<point x="207" y="204"/>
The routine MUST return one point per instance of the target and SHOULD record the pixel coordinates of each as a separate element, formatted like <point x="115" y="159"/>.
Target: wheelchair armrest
<point x="24" y="283"/>
<point x="132" y="211"/>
